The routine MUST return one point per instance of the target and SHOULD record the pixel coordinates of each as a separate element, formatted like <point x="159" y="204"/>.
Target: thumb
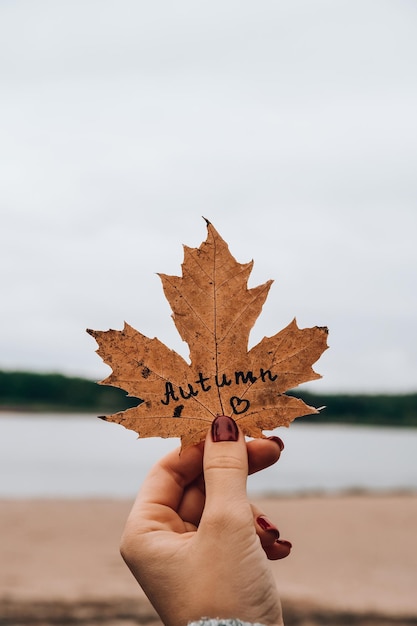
<point x="225" y="467"/>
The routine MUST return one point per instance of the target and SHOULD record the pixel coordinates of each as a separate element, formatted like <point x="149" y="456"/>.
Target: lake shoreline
<point x="82" y="456"/>
<point x="354" y="561"/>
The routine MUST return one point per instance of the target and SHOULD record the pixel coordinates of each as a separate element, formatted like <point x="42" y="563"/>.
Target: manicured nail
<point x="283" y="542"/>
<point x="278" y="441"/>
<point x="223" y="428"/>
<point x="265" y="524"/>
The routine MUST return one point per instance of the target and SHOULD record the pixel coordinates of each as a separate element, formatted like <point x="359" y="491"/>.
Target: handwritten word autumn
<point x="203" y="384"/>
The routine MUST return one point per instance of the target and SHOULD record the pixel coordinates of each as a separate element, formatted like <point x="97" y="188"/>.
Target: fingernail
<point x="223" y="428"/>
<point x="283" y="542"/>
<point x="265" y="524"/>
<point x="279" y="441"/>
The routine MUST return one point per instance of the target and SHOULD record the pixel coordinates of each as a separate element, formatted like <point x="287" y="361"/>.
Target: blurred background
<point x="291" y="126"/>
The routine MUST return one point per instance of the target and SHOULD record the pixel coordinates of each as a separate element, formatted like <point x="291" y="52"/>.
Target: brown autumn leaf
<point x="214" y="312"/>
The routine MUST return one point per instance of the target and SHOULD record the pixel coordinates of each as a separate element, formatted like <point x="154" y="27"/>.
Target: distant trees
<point x="382" y="410"/>
<point x="55" y="392"/>
<point x="30" y="391"/>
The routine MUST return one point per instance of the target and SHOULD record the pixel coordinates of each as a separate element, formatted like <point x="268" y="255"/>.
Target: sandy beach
<point x="354" y="561"/>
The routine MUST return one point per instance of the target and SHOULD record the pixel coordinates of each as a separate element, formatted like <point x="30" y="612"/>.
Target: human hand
<point x="200" y="548"/>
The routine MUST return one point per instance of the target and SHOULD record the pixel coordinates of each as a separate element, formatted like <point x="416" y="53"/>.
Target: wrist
<point x="210" y="621"/>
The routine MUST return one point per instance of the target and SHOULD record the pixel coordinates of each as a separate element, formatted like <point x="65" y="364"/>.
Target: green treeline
<point x="381" y="410"/>
<point x="29" y="391"/>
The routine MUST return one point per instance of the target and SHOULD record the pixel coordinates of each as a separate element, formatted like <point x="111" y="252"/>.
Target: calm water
<point x="80" y="456"/>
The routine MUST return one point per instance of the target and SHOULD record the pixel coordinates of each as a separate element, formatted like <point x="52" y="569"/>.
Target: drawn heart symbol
<point x="239" y="406"/>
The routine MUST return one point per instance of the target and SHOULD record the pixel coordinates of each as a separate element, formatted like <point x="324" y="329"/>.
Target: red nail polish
<point x="265" y="524"/>
<point x="278" y="441"/>
<point x="223" y="428"/>
<point x="283" y="542"/>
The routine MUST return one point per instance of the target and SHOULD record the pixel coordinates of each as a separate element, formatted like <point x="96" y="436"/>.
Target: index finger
<point x="165" y="483"/>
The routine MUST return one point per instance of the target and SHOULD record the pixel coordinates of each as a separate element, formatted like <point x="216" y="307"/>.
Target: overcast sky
<point x="290" y="124"/>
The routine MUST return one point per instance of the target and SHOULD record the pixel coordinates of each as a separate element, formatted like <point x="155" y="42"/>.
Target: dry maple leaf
<point x="214" y="312"/>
